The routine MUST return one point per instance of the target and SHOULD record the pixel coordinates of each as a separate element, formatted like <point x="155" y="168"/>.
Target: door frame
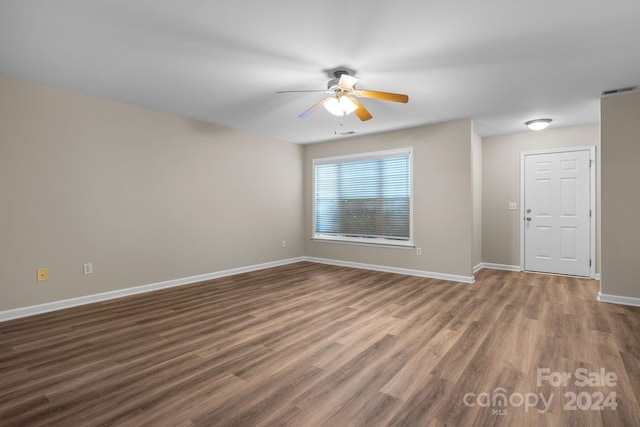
<point x="592" y="200"/>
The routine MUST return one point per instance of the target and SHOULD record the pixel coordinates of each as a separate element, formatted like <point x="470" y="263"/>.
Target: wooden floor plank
<point x="313" y="345"/>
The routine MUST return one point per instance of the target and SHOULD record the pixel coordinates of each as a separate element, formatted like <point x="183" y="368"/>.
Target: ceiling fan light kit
<point x="344" y="100"/>
<point x="538" y="124"/>
<point x="340" y="106"/>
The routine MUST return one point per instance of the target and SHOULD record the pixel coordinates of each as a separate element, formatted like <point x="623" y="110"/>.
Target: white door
<point x="557" y="219"/>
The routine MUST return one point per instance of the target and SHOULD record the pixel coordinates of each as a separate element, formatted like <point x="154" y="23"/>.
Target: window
<point x="364" y="198"/>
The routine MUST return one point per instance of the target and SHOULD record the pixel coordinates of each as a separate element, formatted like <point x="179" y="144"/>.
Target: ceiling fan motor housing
<point x="333" y="84"/>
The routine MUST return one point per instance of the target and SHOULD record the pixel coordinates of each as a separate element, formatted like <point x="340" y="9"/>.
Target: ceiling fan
<point x="344" y="97"/>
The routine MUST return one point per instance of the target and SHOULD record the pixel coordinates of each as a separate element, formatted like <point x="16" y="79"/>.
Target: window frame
<point x="367" y="241"/>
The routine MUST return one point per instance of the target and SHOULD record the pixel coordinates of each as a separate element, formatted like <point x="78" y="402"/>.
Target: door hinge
<point x="591" y="163"/>
<point x="589" y="213"/>
<point x="589" y="263"/>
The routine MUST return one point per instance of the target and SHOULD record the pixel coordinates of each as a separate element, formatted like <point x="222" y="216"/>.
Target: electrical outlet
<point x="513" y="206"/>
<point x="87" y="268"/>
<point x="418" y="251"/>
<point x="284" y="243"/>
<point x="43" y="274"/>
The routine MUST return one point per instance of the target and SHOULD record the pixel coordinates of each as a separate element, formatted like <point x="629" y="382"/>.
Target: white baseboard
<point x="505" y="267"/>
<point x="387" y="269"/>
<point x="497" y="267"/>
<point x="615" y="299"/>
<point x="73" y="302"/>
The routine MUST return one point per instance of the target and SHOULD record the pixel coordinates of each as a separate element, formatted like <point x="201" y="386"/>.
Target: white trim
<point x="478" y="268"/>
<point x="73" y="302"/>
<point x="387" y="269"/>
<point x="592" y="201"/>
<point x="616" y="299"/>
<point x="559" y="150"/>
<point x="402" y="244"/>
<point x="522" y="212"/>
<point x="499" y="266"/>
<point x="370" y="155"/>
<point x="598" y="276"/>
<point x="594" y="210"/>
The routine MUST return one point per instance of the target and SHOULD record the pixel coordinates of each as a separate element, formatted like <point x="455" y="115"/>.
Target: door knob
<point x="528" y="218"/>
<point x="528" y="210"/>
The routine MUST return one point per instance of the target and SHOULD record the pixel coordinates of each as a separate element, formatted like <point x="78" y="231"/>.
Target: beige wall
<point x="149" y="197"/>
<point x="144" y="196"/>
<point x="620" y="122"/>
<point x="476" y="175"/>
<point x="501" y="185"/>
<point x="442" y="199"/>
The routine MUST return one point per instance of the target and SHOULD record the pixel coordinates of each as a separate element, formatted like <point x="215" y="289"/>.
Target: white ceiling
<point x="498" y="62"/>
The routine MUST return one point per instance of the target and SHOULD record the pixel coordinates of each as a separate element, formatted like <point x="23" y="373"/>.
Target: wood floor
<point x="311" y="345"/>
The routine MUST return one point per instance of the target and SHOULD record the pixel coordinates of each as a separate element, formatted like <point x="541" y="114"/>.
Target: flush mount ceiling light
<point x="538" y="124"/>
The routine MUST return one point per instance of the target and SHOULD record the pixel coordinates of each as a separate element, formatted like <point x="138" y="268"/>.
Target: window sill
<point x="365" y="242"/>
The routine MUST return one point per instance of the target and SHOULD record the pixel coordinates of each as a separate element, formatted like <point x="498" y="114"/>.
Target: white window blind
<point x="364" y="198"/>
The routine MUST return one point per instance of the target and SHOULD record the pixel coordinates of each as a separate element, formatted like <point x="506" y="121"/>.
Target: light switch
<point x="513" y="206"/>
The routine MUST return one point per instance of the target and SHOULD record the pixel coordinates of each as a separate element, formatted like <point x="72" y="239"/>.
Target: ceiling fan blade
<point x="385" y="96"/>
<point x="303" y="91"/>
<point x="347" y="82"/>
<point x="361" y="112"/>
<point x="313" y="109"/>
